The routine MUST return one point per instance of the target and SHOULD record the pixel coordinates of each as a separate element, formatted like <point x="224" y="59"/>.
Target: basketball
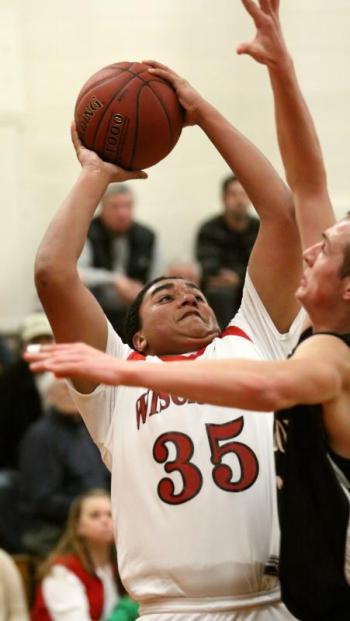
<point x="128" y="116"/>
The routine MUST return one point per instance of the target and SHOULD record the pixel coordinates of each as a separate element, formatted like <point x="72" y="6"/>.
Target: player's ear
<point x="345" y="289"/>
<point x="139" y="342"/>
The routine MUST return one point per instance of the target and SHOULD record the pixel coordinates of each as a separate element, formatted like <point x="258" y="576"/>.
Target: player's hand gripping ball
<point x="128" y="116"/>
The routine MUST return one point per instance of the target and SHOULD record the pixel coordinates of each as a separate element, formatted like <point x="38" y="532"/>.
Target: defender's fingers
<point x="265" y="5"/>
<point x="252" y="8"/>
<point x="244" y="48"/>
<point x="275" y="5"/>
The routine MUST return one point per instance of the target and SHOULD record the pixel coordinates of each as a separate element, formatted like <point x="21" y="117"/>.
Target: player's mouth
<point x="190" y="313"/>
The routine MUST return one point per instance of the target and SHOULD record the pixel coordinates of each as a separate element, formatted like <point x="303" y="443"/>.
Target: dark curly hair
<point x="132" y="320"/>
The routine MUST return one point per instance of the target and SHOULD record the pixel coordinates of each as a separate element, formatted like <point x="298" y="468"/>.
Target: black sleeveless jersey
<point x="314" y="515"/>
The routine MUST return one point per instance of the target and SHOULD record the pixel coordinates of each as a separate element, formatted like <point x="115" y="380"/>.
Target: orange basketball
<point x="128" y="116"/>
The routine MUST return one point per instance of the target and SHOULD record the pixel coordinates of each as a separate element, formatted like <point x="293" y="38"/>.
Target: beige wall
<point x="48" y="49"/>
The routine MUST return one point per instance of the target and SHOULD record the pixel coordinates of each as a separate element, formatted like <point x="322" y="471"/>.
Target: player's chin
<point x="201" y="331"/>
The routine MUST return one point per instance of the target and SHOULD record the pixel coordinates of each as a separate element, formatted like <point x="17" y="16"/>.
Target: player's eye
<point x="199" y="298"/>
<point x="165" y="298"/>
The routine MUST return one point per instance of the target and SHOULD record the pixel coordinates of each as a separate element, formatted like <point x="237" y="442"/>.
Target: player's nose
<point x="311" y="253"/>
<point x="189" y="299"/>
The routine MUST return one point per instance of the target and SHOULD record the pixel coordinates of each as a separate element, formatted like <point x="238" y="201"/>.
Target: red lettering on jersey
<point x="151" y="403"/>
<point x="154" y="404"/>
<point x="141" y="409"/>
<point x="164" y="401"/>
<point x="179" y="400"/>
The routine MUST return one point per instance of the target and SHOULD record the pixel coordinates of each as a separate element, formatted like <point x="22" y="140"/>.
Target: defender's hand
<point x="76" y="361"/>
<point x="268" y="46"/>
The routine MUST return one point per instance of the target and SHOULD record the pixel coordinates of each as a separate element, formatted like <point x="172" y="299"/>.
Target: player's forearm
<point x="248" y="384"/>
<point x="300" y="149"/>
<point x="265" y="188"/>
<point x="230" y="383"/>
<point x="298" y="141"/>
<point x="64" y="239"/>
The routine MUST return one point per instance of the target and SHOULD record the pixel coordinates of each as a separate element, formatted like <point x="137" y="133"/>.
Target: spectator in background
<point x="21" y="400"/>
<point x="5" y="354"/>
<point x="13" y="605"/>
<point x="21" y="404"/>
<point x="119" y="256"/>
<point x="223" y="246"/>
<point x="189" y="270"/>
<point x="58" y="461"/>
<point x="79" y="580"/>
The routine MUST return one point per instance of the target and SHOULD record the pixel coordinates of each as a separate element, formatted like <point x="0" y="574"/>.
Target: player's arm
<point x="315" y="374"/>
<point x="277" y="248"/>
<point x="299" y="145"/>
<point x="72" y="310"/>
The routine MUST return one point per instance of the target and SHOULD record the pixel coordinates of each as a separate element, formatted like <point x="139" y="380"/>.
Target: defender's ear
<point x="346" y="289"/>
<point x="139" y="342"/>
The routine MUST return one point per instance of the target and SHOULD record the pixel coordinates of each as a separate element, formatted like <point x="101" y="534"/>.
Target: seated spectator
<point x="189" y="270"/>
<point x="119" y="256"/>
<point x="223" y="247"/>
<point x="21" y="404"/>
<point x="21" y="392"/>
<point x="5" y="354"/>
<point x="13" y="605"/>
<point x="79" y="580"/>
<point x="58" y="461"/>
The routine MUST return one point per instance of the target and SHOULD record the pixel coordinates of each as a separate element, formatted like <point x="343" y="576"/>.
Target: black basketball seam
<point x="164" y="110"/>
<point x="136" y="128"/>
<point x="98" y="125"/>
<point x="102" y="81"/>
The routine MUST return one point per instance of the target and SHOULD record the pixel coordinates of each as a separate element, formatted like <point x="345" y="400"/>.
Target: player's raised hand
<point x="76" y="361"/>
<point x="188" y="97"/>
<point x="268" y="46"/>
<point x="90" y="159"/>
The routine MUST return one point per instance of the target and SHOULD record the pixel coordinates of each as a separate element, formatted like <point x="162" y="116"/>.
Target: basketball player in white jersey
<point x="193" y="488"/>
<point x="315" y="523"/>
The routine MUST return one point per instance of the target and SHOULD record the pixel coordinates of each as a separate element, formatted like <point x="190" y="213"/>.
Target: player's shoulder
<point x="115" y="346"/>
<point x="330" y="347"/>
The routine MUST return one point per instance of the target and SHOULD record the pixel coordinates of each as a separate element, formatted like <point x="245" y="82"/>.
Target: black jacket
<point x="219" y="247"/>
<point x="20" y="406"/>
<point x="58" y="461"/>
<point x="141" y="248"/>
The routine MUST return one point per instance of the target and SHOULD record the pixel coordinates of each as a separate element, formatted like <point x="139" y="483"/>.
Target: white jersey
<point x="193" y="485"/>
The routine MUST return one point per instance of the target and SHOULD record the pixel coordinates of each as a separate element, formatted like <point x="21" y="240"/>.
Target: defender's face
<point x="235" y="200"/>
<point x="117" y="212"/>
<point x="176" y="319"/>
<point x="321" y="284"/>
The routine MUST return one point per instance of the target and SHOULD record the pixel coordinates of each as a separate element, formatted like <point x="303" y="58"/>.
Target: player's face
<point x="176" y="319"/>
<point x="117" y="212"/>
<point x="321" y="285"/>
<point x="95" y="523"/>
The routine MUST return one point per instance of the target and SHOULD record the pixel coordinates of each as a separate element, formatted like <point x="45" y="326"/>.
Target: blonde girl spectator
<point x="79" y="580"/>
